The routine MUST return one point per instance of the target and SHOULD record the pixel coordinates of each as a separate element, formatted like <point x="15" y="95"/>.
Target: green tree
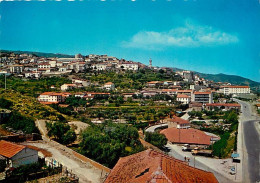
<point x="157" y="139"/>
<point x="61" y="132"/>
<point x="107" y="142"/>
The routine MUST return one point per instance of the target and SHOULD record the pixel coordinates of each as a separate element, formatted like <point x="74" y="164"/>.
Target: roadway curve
<point x="250" y="143"/>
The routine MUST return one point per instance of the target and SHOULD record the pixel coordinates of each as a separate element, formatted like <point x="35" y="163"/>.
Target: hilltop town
<point x="111" y="120"/>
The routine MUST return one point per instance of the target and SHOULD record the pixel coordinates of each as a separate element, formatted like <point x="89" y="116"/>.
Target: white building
<point x="33" y="74"/>
<point x="53" y="97"/>
<point x="184" y="99"/>
<point x="44" y="65"/>
<point x="77" y="66"/>
<point x="202" y="97"/>
<point x="81" y="81"/>
<point x="53" y="63"/>
<point x="109" y="86"/>
<point x="128" y="66"/>
<point x="65" y="87"/>
<point x="17" y="69"/>
<point x="99" y="67"/>
<point x="17" y="155"/>
<point x="235" y="89"/>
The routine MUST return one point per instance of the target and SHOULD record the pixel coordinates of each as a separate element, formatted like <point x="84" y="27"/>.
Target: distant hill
<point x="39" y="54"/>
<point x="233" y="79"/>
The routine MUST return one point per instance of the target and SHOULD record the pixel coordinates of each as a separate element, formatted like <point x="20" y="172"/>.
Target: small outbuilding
<point x="17" y="155"/>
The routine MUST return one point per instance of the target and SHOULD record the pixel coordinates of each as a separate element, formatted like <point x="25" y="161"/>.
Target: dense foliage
<point x="19" y="122"/>
<point x="157" y="139"/>
<point x="61" y="132"/>
<point x="33" y="87"/>
<point x="108" y="142"/>
<point x="132" y="80"/>
<point x="29" y="106"/>
<point x="228" y="142"/>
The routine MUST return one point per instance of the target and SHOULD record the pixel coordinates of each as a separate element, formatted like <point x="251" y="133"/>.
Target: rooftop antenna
<point x="150" y="62"/>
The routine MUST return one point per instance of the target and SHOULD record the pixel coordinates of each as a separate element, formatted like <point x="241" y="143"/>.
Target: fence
<point x="54" y="167"/>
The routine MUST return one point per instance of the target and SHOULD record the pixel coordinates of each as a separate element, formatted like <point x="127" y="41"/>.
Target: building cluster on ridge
<point x="189" y="89"/>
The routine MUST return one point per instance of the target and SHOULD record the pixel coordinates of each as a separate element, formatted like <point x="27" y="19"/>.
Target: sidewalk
<point x="220" y="167"/>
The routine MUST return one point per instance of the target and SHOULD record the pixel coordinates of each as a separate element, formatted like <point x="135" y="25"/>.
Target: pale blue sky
<point x="220" y="36"/>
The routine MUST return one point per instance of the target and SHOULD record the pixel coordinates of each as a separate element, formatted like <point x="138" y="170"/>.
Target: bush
<point x="20" y="122"/>
<point x="219" y="146"/>
<point x="157" y="139"/>
<point x="61" y="132"/>
<point x="108" y="142"/>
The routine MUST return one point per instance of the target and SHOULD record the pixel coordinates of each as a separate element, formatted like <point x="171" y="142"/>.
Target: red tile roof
<point x="152" y="166"/>
<point x="48" y="103"/>
<point x="178" y="120"/>
<point x="108" y="83"/>
<point x="170" y="90"/>
<point x="8" y="149"/>
<point x="182" y="96"/>
<point x="202" y="93"/>
<point x="184" y="91"/>
<point x="186" y="136"/>
<point x="224" y="104"/>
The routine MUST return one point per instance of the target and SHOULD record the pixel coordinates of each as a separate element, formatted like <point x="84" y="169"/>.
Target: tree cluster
<point x="108" y="142"/>
<point x="61" y="132"/>
<point x="157" y="139"/>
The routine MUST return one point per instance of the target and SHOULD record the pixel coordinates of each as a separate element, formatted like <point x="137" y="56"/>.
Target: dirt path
<point x="85" y="171"/>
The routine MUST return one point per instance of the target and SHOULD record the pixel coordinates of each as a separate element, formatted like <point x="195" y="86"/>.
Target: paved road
<point x="208" y="164"/>
<point x="250" y="143"/>
<point x="153" y="128"/>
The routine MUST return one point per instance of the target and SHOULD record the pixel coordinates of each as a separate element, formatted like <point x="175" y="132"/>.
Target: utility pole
<point x="5" y="81"/>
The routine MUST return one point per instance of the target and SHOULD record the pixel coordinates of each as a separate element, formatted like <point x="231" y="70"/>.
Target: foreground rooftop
<point x="151" y="166"/>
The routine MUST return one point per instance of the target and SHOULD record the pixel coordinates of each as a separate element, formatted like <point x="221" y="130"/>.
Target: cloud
<point x="187" y="36"/>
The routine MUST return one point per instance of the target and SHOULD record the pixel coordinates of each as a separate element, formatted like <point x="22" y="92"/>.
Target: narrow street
<point x="249" y="146"/>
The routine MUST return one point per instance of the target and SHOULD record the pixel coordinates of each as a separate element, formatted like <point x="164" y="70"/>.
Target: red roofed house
<point x="176" y="122"/>
<point x="151" y="166"/>
<point x="226" y="106"/>
<point x="170" y="92"/>
<point x="186" y="136"/>
<point x="258" y="106"/>
<point x="109" y="86"/>
<point x="65" y="87"/>
<point x="154" y="84"/>
<point x="185" y="92"/>
<point x="195" y="106"/>
<point x="52" y="97"/>
<point x="17" y="155"/>
<point x="184" y="99"/>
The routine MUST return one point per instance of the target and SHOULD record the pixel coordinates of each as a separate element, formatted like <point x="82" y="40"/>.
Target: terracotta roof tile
<point x="202" y="93"/>
<point x="8" y="149"/>
<point x="224" y="104"/>
<point x="178" y="120"/>
<point x="182" y="96"/>
<point x="186" y="136"/>
<point x="150" y="166"/>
